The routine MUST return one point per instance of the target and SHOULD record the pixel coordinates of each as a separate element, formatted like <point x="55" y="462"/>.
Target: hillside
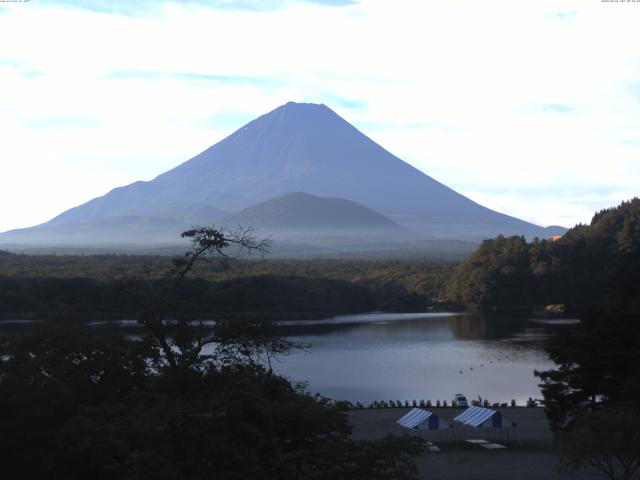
<point x="303" y="215"/>
<point x="591" y="265"/>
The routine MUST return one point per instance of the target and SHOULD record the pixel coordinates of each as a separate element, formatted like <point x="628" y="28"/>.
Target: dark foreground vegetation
<point x="592" y="398"/>
<point x="181" y="402"/>
<point x="76" y="404"/>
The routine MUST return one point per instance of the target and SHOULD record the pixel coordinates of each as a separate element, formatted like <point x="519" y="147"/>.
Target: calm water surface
<point x="420" y="356"/>
<point x="399" y="356"/>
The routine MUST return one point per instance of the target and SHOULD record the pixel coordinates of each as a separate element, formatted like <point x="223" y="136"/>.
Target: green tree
<point x="47" y="377"/>
<point x="596" y="366"/>
<point x="497" y="273"/>
<point x="183" y="402"/>
<point x="597" y="360"/>
<point x="607" y="440"/>
<point x="591" y="265"/>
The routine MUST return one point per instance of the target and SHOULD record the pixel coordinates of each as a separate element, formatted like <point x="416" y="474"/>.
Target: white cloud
<point x="528" y="107"/>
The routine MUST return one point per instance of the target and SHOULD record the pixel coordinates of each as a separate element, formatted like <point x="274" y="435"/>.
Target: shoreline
<point x="529" y="456"/>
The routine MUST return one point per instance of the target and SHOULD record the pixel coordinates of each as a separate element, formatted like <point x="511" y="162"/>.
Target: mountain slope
<point x="302" y="214"/>
<point x="98" y="232"/>
<point x="297" y="148"/>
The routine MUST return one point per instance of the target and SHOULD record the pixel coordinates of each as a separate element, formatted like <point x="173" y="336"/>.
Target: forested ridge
<point x="587" y="266"/>
<point x="98" y="287"/>
<point x="575" y="271"/>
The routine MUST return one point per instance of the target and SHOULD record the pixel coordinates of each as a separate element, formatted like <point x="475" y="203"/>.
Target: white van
<point x="459" y="401"/>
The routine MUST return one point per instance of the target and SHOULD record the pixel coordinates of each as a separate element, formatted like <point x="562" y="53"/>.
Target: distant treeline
<point x="590" y="265"/>
<point x="104" y="287"/>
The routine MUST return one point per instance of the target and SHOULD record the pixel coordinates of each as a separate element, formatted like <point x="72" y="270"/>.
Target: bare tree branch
<point x="179" y="340"/>
<point x="209" y="244"/>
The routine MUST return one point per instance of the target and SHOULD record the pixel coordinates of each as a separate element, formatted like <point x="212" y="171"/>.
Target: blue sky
<point x="530" y="107"/>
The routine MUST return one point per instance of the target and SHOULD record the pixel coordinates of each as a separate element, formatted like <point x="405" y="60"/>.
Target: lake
<point x="421" y="356"/>
<point x="406" y="356"/>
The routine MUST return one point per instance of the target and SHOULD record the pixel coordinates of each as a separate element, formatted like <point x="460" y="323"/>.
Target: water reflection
<point x="478" y="327"/>
<point x="430" y="357"/>
<point x="414" y="356"/>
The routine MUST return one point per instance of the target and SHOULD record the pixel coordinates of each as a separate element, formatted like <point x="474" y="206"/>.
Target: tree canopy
<point x="181" y="401"/>
<point x="590" y="265"/>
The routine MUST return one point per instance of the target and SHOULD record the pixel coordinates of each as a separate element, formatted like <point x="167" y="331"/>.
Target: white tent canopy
<point x="420" y="419"/>
<point x="483" y="417"/>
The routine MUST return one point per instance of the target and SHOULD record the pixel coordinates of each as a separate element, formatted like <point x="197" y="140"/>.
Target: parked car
<point x="459" y="401"/>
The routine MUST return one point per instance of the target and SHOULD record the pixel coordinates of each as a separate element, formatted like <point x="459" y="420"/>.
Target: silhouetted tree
<point x="607" y="440"/>
<point x="79" y="403"/>
<point x="170" y="319"/>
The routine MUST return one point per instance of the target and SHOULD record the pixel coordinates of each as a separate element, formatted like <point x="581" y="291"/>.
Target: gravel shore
<point x="529" y="456"/>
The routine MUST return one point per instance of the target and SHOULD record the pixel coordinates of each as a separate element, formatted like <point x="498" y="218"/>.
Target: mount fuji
<point x="298" y="148"/>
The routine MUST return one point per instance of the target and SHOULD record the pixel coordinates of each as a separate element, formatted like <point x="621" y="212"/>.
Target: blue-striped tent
<point x="420" y="419"/>
<point x="480" y="417"/>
